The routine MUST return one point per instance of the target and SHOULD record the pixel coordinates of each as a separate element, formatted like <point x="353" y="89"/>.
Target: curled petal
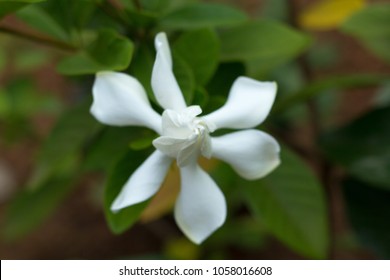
<point x="144" y="182"/>
<point x="183" y="150"/>
<point x="119" y="99"/>
<point x="252" y="153"/>
<point x="178" y="124"/>
<point x="201" y="207"/>
<point x="189" y="154"/>
<point x="248" y="104"/>
<point x="172" y="146"/>
<point x="164" y="84"/>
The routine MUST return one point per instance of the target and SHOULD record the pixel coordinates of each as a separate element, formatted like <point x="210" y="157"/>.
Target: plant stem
<point x="38" y="39"/>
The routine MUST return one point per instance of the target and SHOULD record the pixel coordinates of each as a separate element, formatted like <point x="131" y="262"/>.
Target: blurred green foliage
<point x="212" y="44"/>
<point x="291" y="204"/>
<point x="362" y="147"/>
<point x="371" y="26"/>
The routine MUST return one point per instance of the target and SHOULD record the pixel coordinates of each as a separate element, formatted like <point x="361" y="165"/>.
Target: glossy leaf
<point x="368" y="209"/>
<point x="263" y="44"/>
<point x="142" y="18"/>
<point x="200" y="49"/>
<point x="155" y="6"/>
<point x="291" y="204"/>
<point x="141" y="67"/>
<point x="162" y="7"/>
<point x="69" y="14"/>
<point x="40" y="19"/>
<point x="185" y="77"/>
<point x="61" y="19"/>
<point x="202" y="15"/>
<point x="362" y="147"/>
<point x="102" y="154"/>
<point x="110" y="51"/>
<point x="371" y="26"/>
<point x="221" y="82"/>
<point x="124" y="219"/>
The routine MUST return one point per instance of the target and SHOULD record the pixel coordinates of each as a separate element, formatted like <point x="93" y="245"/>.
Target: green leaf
<point x="156" y="7"/>
<point x="102" y="154"/>
<point x="291" y="204"/>
<point x="64" y="145"/>
<point x="276" y="9"/>
<point x="263" y="44"/>
<point x="142" y="19"/>
<point x="124" y="219"/>
<point x="31" y="208"/>
<point x="368" y="209"/>
<point x="110" y="51"/>
<point x="42" y="20"/>
<point x="141" y="67"/>
<point x="69" y="14"/>
<point x="220" y="84"/>
<point x="200" y="49"/>
<point x="362" y="147"/>
<point x="201" y="97"/>
<point x="226" y="74"/>
<point x="163" y="6"/>
<point x="61" y="19"/>
<point x="371" y="26"/>
<point x="202" y="15"/>
<point x="184" y="76"/>
<point x="10" y="6"/>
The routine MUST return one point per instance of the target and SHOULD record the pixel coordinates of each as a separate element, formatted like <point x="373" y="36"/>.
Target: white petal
<point x="201" y="207"/>
<point x="206" y="148"/>
<point x="252" y="153"/>
<point x="172" y="146"/>
<point x="248" y="104"/>
<point x="164" y="84"/>
<point x="119" y="99"/>
<point x="144" y="182"/>
<point x="162" y="45"/>
<point x="189" y="154"/>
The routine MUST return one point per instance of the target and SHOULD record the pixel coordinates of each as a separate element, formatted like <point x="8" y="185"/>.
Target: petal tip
<point x="116" y="206"/>
<point x="160" y="40"/>
<point x="200" y="238"/>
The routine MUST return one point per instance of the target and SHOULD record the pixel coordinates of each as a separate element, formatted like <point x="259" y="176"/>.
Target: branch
<point x="38" y="39"/>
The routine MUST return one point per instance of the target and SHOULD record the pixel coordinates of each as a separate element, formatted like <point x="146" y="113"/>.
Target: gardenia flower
<point x="200" y="209"/>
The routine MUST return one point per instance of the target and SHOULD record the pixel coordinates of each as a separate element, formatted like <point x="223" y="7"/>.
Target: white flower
<point x="200" y="209"/>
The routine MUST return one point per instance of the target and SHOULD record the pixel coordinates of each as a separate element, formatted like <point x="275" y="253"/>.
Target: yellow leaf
<point x="328" y="14"/>
<point x="165" y="198"/>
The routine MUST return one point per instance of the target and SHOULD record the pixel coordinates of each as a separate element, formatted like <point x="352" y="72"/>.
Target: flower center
<point x="185" y="136"/>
